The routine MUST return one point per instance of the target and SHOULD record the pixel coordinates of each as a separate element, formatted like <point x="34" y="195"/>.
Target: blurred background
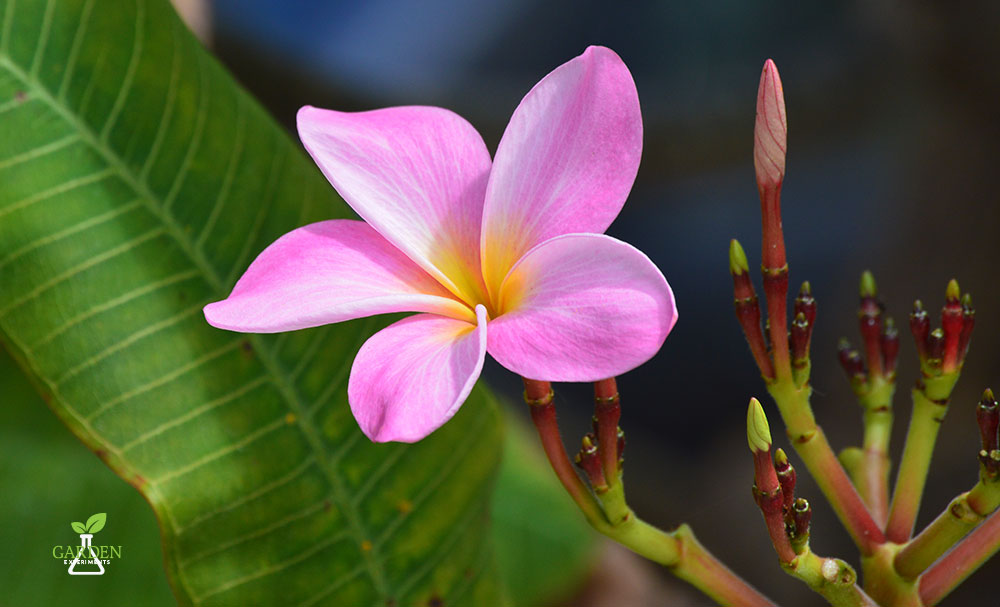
<point x="894" y="140"/>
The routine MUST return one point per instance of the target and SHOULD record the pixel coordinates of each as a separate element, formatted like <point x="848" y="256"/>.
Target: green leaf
<point x="79" y="527"/>
<point x="96" y="522"/>
<point x="47" y="475"/>
<point x="545" y="548"/>
<point x="137" y="181"/>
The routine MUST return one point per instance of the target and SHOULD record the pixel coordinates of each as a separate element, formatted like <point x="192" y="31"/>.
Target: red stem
<point x="769" y="498"/>
<point x="608" y="410"/>
<point x="773" y="255"/>
<point x="877" y="484"/>
<point x="776" y="291"/>
<point x="775" y="267"/>
<point x="538" y="394"/>
<point x="840" y="491"/>
<point x="951" y="570"/>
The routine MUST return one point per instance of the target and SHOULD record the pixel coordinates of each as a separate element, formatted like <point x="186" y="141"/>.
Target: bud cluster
<point x="797" y="511"/>
<point x="786" y="516"/>
<point x="943" y="350"/>
<point x="804" y="318"/>
<point x="602" y="453"/>
<point x="881" y="342"/>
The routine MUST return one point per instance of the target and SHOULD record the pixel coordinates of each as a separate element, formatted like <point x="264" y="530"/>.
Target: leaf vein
<point x="74" y="51"/>
<point x="427" y="490"/>
<point x="55" y="191"/>
<point x="69" y="231"/>
<point x="81" y="267"/>
<point x="374" y="476"/>
<point x="128" y="341"/>
<point x="39" y="151"/>
<point x="270" y="195"/>
<point x="223" y="452"/>
<point x="133" y="64"/>
<point x="285" y="564"/>
<point x="199" y="126"/>
<point x="261" y="491"/>
<point x="444" y="547"/>
<point x="114" y="303"/>
<point x="163" y="380"/>
<point x="43" y="38"/>
<point x="227" y="181"/>
<point x="333" y="587"/>
<point x="256" y="533"/>
<point x="194" y="413"/>
<point x="168" y="108"/>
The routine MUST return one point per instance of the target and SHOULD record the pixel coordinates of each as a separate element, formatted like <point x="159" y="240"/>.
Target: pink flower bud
<point x="770" y="129"/>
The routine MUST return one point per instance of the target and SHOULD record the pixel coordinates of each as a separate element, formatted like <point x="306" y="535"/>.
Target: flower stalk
<point x="539" y="395"/>
<point x="607" y="412"/>
<point x="943" y="353"/>
<point x="967" y="556"/>
<point x="678" y="550"/>
<point x="800" y="336"/>
<point x="770" y="143"/>
<point x="788" y="518"/>
<point x="791" y="391"/>
<point x="874" y="386"/>
<point x="964" y="514"/>
<point x="930" y="404"/>
<point x="748" y="309"/>
<point x="967" y="510"/>
<point x="767" y="490"/>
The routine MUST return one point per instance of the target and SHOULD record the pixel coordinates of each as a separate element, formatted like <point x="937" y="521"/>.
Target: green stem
<point x="883" y="584"/>
<point x="964" y="514"/>
<point x="873" y="474"/>
<point x="613" y="502"/>
<point x="833" y="579"/>
<point x="701" y="569"/>
<point x="930" y="404"/>
<point x="678" y="550"/>
<point x="811" y="444"/>
<point x="946" y="574"/>
<point x="685" y="557"/>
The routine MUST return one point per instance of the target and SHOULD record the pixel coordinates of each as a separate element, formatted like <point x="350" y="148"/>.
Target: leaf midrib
<point x="288" y="392"/>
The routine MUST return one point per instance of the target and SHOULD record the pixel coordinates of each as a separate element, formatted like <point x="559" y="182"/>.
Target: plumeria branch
<point x="606" y="510"/>
<point x="788" y="517"/>
<point x="874" y="387"/>
<point x="967" y="510"/>
<point x="942" y="353"/>
<point x="791" y="391"/>
<point x="539" y="395"/>
<point x="946" y="574"/>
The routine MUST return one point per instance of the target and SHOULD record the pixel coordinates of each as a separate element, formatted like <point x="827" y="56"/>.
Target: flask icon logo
<point x="87" y="561"/>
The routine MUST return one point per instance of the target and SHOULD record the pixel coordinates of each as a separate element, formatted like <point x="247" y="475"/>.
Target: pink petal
<point x="566" y="161"/>
<point x="417" y="175"/>
<point x="411" y="377"/>
<point x="581" y="307"/>
<point x="328" y="272"/>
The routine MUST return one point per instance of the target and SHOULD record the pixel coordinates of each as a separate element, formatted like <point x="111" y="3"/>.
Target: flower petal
<point x="411" y="377"/>
<point x="581" y="307"/>
<point x="417" y="175"/>
<point x="328" y="272"/>
<point x="565" y="163"/>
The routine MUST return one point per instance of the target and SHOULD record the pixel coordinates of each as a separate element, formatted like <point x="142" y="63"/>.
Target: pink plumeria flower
<point x="506" y="257"/>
